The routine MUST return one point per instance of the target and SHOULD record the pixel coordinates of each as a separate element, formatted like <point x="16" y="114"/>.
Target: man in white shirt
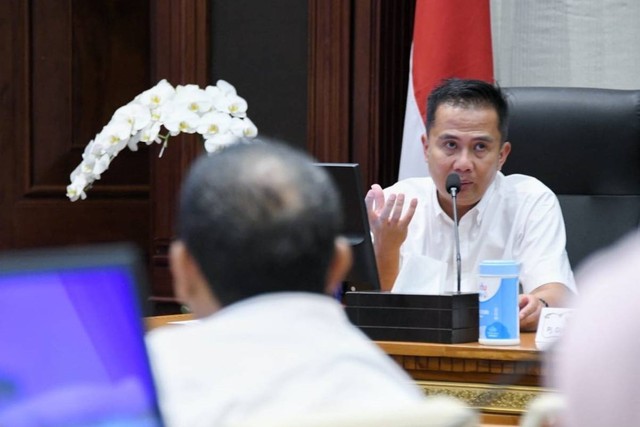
<point x="512" y="217"/>
<point x="257" y="257"/>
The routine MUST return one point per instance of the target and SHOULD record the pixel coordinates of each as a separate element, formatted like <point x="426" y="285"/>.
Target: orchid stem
<point x="165" y="138"/>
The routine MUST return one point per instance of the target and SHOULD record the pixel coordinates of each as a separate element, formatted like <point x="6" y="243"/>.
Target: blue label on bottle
<point x="499" y="308"/>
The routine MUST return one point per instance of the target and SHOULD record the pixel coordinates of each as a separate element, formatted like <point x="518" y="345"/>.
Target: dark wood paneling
<point x="358" y="75"/>
<point x="396" y="34"/>
<point x="42" y="222"/>
<point x="67" y="66"/>
<point x="111" y="50"/>
<point x="329" y="79"/>
<point x="13" y="108"/>
<point x="87" y="59"/>
<point x="355" y="112"/>
<point x="365" y="93"/>
<point x="181" y="55"/>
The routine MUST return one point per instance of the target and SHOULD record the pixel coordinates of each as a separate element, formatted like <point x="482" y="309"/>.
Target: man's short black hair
<point x="469" y="93"/>
<point x="259" y="217"/>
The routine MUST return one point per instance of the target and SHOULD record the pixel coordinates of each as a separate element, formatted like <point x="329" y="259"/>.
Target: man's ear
<point x="189" y="285"/>
<point x="504" y="153"/>
<point x="339" y="266"/>
<point x="182" y="269"/>
<point x="425" y="146"/>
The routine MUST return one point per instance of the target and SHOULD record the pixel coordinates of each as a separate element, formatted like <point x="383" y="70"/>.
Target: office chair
<point x="584" y="144"/>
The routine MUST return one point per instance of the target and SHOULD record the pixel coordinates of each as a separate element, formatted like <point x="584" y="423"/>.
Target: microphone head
<point x="453" y="181"/>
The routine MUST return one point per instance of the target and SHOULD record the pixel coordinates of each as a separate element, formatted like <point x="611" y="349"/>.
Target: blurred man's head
<point x="258" y="218"/>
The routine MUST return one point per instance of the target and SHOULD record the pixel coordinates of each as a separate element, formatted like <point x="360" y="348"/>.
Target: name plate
<point x="551" y="325"/>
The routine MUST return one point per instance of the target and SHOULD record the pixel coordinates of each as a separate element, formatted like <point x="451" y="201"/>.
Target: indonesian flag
<point x="451" y="38"/>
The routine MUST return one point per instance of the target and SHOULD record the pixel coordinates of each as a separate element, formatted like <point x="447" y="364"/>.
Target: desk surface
<point x="157" y="321"/>
<point x="525" y="351"/>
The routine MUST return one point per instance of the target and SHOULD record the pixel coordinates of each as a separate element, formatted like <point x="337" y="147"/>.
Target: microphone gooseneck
<point x="453" y="187"/>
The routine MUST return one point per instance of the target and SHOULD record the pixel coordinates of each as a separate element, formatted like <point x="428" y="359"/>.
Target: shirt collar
<point x="434" y="201"/>
<point x="478" y="210"/>
<point x="481" y="208"/>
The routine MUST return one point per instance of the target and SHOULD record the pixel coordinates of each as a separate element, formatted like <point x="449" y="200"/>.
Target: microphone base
<point x="449" y="318"/>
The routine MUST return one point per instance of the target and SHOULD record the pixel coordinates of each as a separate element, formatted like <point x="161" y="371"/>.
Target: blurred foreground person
<point x="595" y="365"/>
<point x="257" y="256"/>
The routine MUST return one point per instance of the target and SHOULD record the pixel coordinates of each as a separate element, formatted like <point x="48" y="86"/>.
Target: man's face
<point x="465" y="140"/>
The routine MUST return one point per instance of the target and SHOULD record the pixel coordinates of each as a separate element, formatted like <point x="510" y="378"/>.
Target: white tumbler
<point x="499" y="312"/>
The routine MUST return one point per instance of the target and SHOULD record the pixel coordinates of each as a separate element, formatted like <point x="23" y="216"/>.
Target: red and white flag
<point x="451" y="38"/>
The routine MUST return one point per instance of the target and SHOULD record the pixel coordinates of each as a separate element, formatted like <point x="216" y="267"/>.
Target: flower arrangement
<point x="215" y="112"/>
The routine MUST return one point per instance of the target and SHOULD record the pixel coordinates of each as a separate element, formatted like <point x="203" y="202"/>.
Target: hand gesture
<point x="388" y="224"/>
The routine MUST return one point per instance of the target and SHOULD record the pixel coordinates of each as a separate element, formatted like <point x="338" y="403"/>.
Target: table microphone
<point x="453" y="187"/>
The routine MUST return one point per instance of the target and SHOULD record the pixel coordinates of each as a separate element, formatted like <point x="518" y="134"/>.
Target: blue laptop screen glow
<point x="72" y="350"/>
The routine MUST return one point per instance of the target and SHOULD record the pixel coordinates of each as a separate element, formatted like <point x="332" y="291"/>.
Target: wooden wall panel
<point x="329" y="80"/>
<point x="181" y="55"/>
<point x="13" y="107"/>
<point x="395" y="23"/>
<point x="69" y="65"/>
<point x="354" y="113"/>
<point x="358" y="75"/>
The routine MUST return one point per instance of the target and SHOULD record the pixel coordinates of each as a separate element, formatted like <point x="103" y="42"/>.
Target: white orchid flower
<point x="149" y="135"/>
<point x="163" y="113"/>
<point x="76" y="172"/>
<point x="91" y="148"/>
<point x="214" y="93"/>
<point x="117" y="131"/>
<point x="216" y="112"/>
<point x="193" y="98"/>
<point x="111" y="139"/>
<point x="237" y="106"/>
<point x="226" y="87"/>
<point x="232" y="104"/>
<point x="138" y="116"/>
<point x="249" y="130"/>
<point x="101" y="165"/>
<point x="214" y="123"/>
<point x="219" y="141"/>
<point x="182" y="120"/>
<point x="243" y="128"/>
<point x="98" y="146"/>
<point x="75" y="190"/>
<point x="158" y="95"/>
<point x="92" y="167"/>
<point x="86" y="167"/>
<point x="132" y="143"/>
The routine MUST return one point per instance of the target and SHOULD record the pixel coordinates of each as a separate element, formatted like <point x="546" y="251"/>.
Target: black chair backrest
<point x="584" y="144"/>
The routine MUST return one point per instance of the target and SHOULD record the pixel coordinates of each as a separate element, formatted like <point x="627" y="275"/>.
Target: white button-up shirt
<point x="272" y="357"/>
<point x="519" y="218"/>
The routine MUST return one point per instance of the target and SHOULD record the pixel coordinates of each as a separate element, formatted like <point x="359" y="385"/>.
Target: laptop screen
<point x="72" y="338"/>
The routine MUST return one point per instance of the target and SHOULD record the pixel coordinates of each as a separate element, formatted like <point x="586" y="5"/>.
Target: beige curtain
<point x="578" y="43"/>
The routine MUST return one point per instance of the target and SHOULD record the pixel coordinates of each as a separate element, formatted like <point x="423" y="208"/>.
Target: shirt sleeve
<point x="542" y="244"/>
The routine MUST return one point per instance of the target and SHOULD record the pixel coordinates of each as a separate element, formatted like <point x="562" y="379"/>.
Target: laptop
<point x="72" y="337"/>
<point x="364" y="272"/>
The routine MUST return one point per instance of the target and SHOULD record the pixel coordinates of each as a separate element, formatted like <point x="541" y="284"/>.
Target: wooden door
<point x="66" y="66"/>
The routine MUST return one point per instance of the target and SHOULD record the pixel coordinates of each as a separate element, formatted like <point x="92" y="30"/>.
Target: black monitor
<point x="364" y="272"/>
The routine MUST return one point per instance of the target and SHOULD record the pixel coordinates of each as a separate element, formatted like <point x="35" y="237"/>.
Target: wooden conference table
<point x="499" y="381"/>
